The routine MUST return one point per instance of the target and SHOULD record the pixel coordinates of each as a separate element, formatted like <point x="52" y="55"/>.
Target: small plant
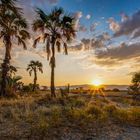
<point x="121" y="115"/>
<point x="94" y="110"/>
<point x="78" y="102"/>
<point x="55" y="119"/>
<point x="134" y="116"/>
<point x="110" y="109"/>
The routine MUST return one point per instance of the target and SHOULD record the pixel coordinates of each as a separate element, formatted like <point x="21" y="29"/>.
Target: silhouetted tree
<point x="134" y="89"/>
<point x="35" y="66"/>
<point x="12" y="27"/>
<point x="58" y="29"/>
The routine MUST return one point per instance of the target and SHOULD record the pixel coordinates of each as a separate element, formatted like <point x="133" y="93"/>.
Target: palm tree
<point x="35" y="66"/>
<point x="12" y="28"/>
<point x="57" y="30"/>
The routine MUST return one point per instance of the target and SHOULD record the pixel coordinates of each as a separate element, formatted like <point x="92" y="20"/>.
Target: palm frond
<point x="56" y="12"/>
<point x="21" y="22"/>
<point x="24" y="34"/>
<point x="21" y="42"/>
<point x="36" y="41"/>
<point x="45" y="36"/>
<point x="40" y="69"/>
<point x="58" y="44"/>
<point x="65" y="49"/>
<point x="42" y="15"/>
<point x="38" y="24"/>
<point x="30" y="72"/>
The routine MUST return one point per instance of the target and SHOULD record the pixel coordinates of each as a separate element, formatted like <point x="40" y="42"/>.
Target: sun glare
<point x="96" y="82"/>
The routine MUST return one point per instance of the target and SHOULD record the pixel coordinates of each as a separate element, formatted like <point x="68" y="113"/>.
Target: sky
<point x="106" y="48"/>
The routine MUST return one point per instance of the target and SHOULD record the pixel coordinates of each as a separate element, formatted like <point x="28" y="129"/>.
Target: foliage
<point x="134" y="89"/>
<point x="34" y="66"/>
<point x="12" y="29"/>
<point x="116" y="90"/>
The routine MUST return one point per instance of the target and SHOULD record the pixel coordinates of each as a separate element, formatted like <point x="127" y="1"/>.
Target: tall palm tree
<point x="35" y="66"/>
<point x="12" y="28"/>
<point x="57" y="29"/>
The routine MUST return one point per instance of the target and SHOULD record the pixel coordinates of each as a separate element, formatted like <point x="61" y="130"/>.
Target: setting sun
<point x="96" y="82"/>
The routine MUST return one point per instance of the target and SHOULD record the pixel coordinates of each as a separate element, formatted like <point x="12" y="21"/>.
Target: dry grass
<point x="44" y="116"/>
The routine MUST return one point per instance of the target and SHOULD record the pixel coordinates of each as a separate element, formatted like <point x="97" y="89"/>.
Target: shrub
<point x="116" y="90"/>
<point x="94" y="110"/>
<point x="110" y="109"/>
<point x="78" y="102"/>
<point x="121" y="115"/>
<point x="134" y="116"/>
<point x="55" y="118"/>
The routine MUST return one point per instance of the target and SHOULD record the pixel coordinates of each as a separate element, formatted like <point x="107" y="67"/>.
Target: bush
<point x="121" y="115"/>
<point x="55" y="118"/>
<point x="110" y="109"/>
<point x="134" y="116"/>
<point x="78" y="102"/>
<point x="94" y="110"/>
<point x="129" y="116"/>
<point x="27" y="89"/>
<point x="116" y="90"/>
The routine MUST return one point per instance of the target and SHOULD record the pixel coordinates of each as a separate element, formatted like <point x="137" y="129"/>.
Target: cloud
<point x="129" y="26"/>
<point x="107" y="62"/>
<point x="52" y="1"/>
<point x="93" y="26"/>
<point x="29" y="7"/>
<point x="97" y="42"/>
<point x="123" y="52"/>
<point x="113" y="25"/>
<point x="102" y="18"/>
<point x="96" y="52"/>
<point x="88" y="16"/>
<point x="78" y="15"/>
<point x="135" y="33"/>
<point x="124" y="17"/>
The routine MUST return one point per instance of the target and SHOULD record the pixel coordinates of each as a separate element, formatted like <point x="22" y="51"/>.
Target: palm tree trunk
<point x="35" y="80"/>
<point x="52" y="83"/>
<point x="5" y="66"/>
<point x="53" y="69"/>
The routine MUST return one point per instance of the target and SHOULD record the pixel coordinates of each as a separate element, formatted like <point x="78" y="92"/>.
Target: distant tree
<point x="35" y="66"/>
<point x="12" y="28"/>
<point x="58" y="29"/>
<point x="115" y="90"/>
<point x="134" y="89"/>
